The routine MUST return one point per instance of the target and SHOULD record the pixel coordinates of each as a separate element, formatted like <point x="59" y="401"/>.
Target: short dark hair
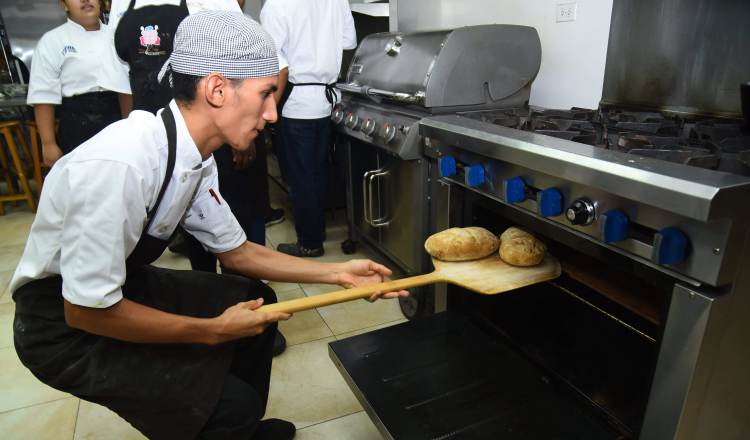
<point x="184" y="86"/>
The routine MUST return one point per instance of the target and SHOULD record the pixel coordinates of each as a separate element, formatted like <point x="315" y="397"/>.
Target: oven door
<point x="569" y="359"/>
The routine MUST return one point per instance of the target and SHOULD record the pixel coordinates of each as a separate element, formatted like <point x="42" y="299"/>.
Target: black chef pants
<point x="243" y="399"/>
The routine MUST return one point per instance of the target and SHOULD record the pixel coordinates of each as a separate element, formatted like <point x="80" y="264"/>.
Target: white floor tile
<point x="96" y="422"/>
<point x="19" y="387"/>
<point x="53" y="420"/>
<point x="306" y="388"/>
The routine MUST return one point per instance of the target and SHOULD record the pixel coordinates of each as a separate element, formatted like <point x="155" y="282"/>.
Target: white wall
<point x="573" y="53"/>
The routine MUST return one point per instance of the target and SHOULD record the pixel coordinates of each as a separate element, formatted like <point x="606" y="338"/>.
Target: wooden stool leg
<point x="19" y="169"/>
<point x="37" y="162"/>
<point x="22" y="140"/>
<point x="6" y="169"/>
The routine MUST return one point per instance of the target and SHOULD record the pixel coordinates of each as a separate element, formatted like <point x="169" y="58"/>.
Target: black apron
<point x="167" y="391"/>
<point x="144" y="39"/>
<point x="82" y="116"/>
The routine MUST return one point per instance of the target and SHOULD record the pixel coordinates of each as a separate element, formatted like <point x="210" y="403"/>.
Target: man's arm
<point x="44" y="115"/>
<point x="261" y="262"/>
<point x="126" y="104"/>
<point x="133" y="322"/>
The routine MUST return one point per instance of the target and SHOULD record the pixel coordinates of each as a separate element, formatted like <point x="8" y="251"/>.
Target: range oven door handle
<point x="382" y="221"/>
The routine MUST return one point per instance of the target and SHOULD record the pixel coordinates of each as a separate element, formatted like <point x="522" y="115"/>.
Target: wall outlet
<point x="566" y="11"/>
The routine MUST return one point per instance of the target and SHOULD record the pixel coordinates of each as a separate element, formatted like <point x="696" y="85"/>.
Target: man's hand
<point x="362" y="272"/>
<point x="51" y="153"/>
<point x="243" y="158"/>
<point x="242" y="320"/>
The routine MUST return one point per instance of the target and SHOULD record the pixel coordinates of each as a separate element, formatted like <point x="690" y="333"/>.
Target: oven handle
<point x="381" y="221"/>
<point x="416" y="98"/>
<point x="367" y="194"/>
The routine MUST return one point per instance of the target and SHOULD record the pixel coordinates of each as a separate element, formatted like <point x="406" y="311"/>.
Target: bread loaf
<point x="519" y="248"/>
<point x="462" y="244"/>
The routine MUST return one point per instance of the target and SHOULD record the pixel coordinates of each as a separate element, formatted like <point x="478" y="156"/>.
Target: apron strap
<point x="331" y="95"/>
<point x="131" y="6"/>
<point x="168" y="119"/>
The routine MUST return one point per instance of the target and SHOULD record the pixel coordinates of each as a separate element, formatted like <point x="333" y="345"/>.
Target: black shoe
<point x="297" y="250"/>
<point x="274" y="429"/>
<point x="275" y="216"/>
<point x="279" y="344"/>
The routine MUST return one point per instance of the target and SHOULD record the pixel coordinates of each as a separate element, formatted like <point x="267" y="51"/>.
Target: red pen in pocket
<point x="213" y="194"/>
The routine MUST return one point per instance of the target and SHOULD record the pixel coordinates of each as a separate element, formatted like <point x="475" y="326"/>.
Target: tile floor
<point x="306" y="388"/>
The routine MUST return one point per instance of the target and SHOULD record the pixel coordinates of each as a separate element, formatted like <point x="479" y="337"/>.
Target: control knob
<point x="550" y="202"/>
<point x="351" y="121"/>
<point x="670" y="246"/>
<point x="582" y="212"/>
<point x="337" y="116"/>
<point x="369" y="127"/>
<point x="388" y="133"/>
<point x="514" y="190"/>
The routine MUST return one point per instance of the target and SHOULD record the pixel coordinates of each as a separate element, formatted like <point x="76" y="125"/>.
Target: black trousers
<point x="306" y="143"/>
<point x="167" y="391"/>
<point x="245" y="393"/>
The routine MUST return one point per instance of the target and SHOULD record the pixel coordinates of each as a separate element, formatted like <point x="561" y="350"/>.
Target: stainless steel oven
<point x="643" y="336"/>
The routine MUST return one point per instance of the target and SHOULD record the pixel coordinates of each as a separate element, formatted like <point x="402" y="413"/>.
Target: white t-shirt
<point x="67" y="62"/>
<point x="310" y="36"/>
<point x="93" y="208"/>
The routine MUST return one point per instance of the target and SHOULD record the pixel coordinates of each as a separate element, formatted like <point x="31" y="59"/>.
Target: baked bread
<point x="519" y="248"/>
<point x="462" y="244"/>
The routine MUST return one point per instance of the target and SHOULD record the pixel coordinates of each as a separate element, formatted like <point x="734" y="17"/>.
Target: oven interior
<point x="594" y="330"/>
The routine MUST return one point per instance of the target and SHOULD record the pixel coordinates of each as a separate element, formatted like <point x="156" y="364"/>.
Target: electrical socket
<point x="566" y="11"/>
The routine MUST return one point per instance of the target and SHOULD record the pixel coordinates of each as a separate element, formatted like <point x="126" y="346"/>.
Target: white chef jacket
<point x="93" y="208"/>
<point x="67" y="62"/>
<point x="310" y="35"/>
<point x="118" y="70"/>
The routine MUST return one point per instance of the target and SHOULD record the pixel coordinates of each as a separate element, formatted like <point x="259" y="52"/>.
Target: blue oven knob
<point x="514" y="190"/>
<point x="447" y="166"/>
<point x="550" y="202"/>
<point x="474" y="175"/>
<point x="614" y="226"/>
<point x="670" y="246"/>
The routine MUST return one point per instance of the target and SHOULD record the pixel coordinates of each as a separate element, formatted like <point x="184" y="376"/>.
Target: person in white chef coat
<point x="68" y="81"/>
<point x="310" y="36"/>
<point x="178" y="354"/>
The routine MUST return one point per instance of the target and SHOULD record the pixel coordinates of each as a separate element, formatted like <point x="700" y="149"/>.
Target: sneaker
<point x="274" y="429"/>
<point x="279" y="344"/>
<point x="297" y="250"/>
<point x="274" y="217"/>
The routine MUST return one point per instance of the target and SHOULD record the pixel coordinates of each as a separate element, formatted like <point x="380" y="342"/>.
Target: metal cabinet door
<point x="403" y="207"/>
<point x="363" y="161"/>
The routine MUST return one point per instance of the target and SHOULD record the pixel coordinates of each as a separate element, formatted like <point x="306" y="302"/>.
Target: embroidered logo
<point x="150" y="40"/>
<point x="69" y="49"/>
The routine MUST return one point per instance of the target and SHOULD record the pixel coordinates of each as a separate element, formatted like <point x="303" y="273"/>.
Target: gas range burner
<point x="581" y="114"/>
<point x="705" y="143"/>
<point x="632" y="116"/>
<point x="511" y="118"/>
<point x="714" y="130"/>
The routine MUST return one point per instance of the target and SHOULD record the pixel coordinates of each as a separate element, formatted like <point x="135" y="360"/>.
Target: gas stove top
<point x="707" y="143"/>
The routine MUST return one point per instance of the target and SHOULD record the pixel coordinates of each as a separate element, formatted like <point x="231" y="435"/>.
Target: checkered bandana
<point x="229" y="43"/>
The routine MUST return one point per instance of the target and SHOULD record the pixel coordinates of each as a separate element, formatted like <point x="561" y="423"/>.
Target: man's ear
<point x="215" y="88"/>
